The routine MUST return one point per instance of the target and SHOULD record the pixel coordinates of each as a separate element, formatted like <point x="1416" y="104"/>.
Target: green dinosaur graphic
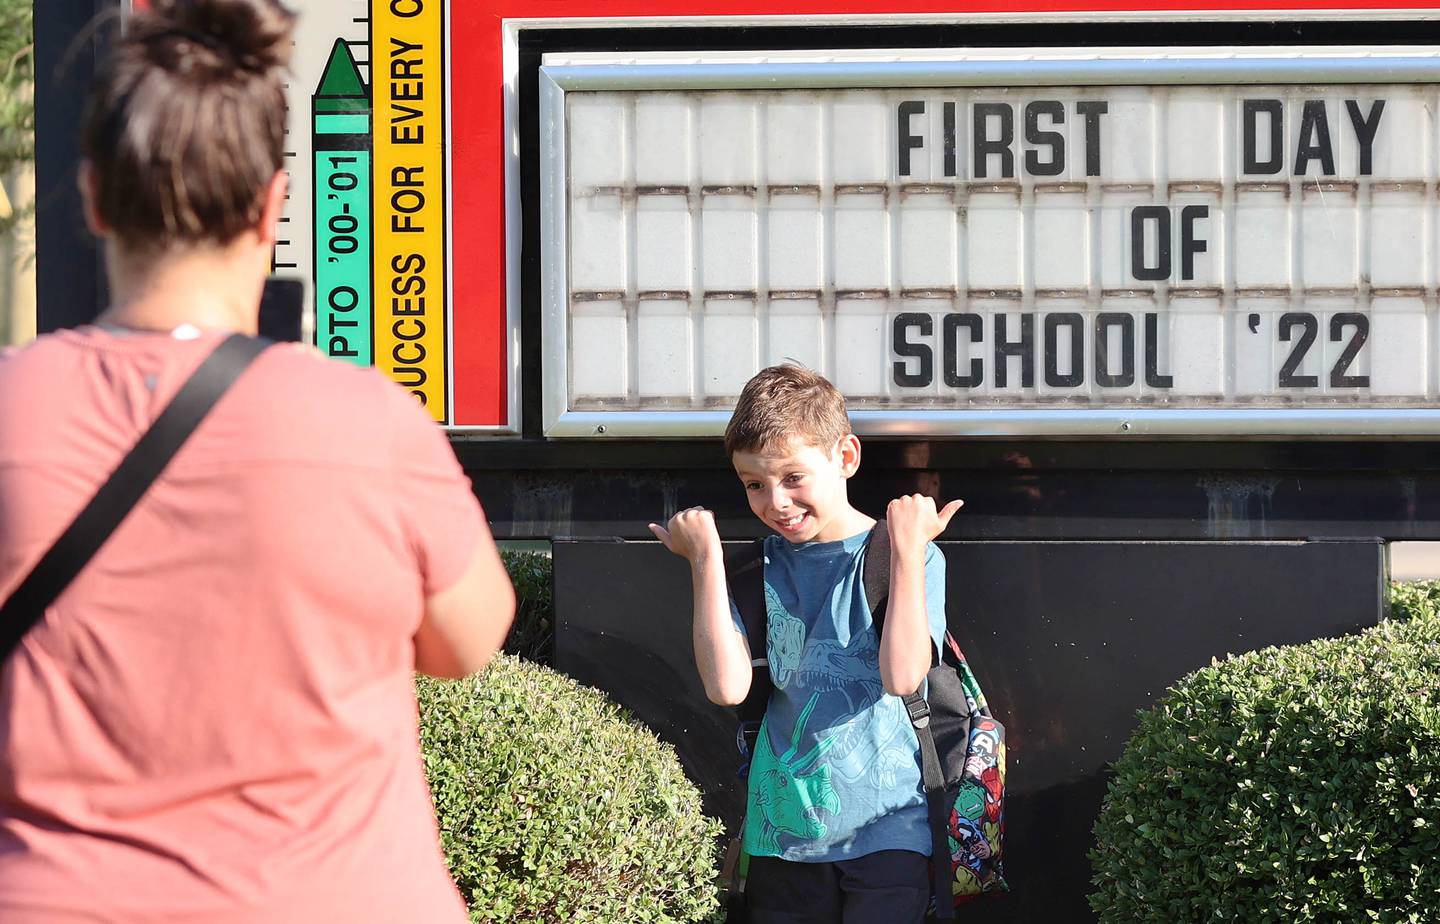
<point x="784" y="638"/>
<point x="784" y="797"/>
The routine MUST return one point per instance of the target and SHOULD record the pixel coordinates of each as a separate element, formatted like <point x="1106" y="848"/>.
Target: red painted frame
<point x="480" y="329"/>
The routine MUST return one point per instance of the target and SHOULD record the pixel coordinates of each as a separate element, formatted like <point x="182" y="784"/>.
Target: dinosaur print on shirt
<point x="785" y="639"/>
<point x="787" y="798"/>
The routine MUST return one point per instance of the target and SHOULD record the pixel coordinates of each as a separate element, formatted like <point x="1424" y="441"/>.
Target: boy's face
<point x="798" y="489"/>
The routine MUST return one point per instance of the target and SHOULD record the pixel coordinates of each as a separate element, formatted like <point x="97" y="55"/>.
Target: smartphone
<point x="281" y="305"/>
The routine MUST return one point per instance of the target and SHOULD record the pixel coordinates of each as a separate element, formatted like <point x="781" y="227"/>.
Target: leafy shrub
<point x="17" y="104"/>
<point x="532" y="637"/>
<point x="1289" y="785"/>
<point x="555" y="806"/>
<point x="1411" y="600"/>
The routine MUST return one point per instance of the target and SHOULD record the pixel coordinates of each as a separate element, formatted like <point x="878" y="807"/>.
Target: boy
<point x="836" y="819"/>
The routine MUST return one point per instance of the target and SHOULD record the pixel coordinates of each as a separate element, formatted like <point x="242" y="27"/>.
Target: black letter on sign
<point x="1190" y="245"/>
<point x="1309" y="328"/>
<point x="1274" y="109"/>
<point x="1103" y="376"/>
<point x="1313" y="121"/>
<point x="903" y="347"/>
<point x="948" y="327"/>
<point x="1153" y="378"/>
<point x="1365" y="129"/>
<point x="947" y="117"/>
<point x="908" y="108"/>
<point x="1092" y="110"/>
<point x="1033" y="135"/>
<point x="1025" y="349"/>
<point x="1339" y="376"/>
<point x="1141" y="216"/>
<point x="984" y="146"/>
<point x="1076" y="375"/>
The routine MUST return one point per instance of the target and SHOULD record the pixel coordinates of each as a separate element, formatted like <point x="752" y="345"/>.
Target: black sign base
<point x="1068" y="640"/>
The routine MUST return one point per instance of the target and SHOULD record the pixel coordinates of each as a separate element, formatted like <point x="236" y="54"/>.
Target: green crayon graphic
<point x="344" y="308"/>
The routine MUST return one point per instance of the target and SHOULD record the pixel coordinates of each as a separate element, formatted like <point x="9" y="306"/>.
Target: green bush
<point x="532" y="637"/>
<point x="17" y="99"/>
<point x="1408" y="601"/>
<point x="555" y="806"/>
<point x="1289" y="785"/>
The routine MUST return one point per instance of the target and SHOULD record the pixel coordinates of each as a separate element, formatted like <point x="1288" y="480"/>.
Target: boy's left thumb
<point x="948" y="511"/>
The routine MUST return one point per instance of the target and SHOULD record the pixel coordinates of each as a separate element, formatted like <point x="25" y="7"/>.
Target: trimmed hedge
<point x="532" y="636"/>
<point x="1409" y="600"/>
<point x="555" y="806"/>
<point x="1289" y="785"/>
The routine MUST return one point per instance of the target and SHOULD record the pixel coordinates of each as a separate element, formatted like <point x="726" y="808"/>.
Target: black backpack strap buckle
<point x="918" y="709"/>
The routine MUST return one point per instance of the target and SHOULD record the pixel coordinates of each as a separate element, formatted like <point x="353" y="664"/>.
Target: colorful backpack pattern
<point x="962" y="760"/>
<point x="975" y="829"/>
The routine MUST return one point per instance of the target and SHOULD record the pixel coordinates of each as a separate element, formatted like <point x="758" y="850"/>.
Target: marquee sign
<point x="1142" y="240"/>
<point x="1045" y="241"/>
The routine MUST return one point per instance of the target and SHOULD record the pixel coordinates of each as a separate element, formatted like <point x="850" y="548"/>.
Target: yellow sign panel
<point x="408" y="87"/>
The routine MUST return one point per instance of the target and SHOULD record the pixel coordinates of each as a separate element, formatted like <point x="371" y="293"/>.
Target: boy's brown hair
<point x="784" y="403"/>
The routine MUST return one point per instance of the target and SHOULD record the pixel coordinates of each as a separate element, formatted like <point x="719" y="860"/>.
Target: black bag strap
<point x="126" y="485"/>
<point x="745" y="573"/>
<point x="745" y="576"/>
<point x="875" y="573"/>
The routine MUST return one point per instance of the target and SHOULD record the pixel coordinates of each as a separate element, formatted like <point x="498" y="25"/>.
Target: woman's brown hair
<point x="185" y="125"/>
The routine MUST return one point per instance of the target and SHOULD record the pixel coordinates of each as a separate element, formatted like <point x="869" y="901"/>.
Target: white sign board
<point x="1190" y="258"/>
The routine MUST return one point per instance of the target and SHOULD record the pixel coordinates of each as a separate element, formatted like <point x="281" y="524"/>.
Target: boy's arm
<point x="721" y="652"/>
<point x="906" y="643"/>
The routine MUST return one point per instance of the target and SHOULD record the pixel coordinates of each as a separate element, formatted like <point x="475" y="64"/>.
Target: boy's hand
<point x="691" y="534"/>
<point x="914" y="521"/>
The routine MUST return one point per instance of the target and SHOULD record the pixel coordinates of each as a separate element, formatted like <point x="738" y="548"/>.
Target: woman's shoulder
<point x="336" y="401"/>
<point x="42" y="366"/>
<point x="45" y="348"/>
<point x="298" y="379"/>
<point x="302" y="365"/>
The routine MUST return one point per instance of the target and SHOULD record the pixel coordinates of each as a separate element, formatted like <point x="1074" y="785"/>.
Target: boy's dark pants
<point x="888" y="887"/>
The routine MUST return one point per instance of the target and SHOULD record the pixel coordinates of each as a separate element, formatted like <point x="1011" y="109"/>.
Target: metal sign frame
<point x="888" y="68"/>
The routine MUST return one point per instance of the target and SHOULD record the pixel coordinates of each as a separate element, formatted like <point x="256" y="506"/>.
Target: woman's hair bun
<point x="253" y="34"/>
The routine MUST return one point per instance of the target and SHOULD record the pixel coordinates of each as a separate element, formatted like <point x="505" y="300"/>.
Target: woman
<point x="216" y="721"/>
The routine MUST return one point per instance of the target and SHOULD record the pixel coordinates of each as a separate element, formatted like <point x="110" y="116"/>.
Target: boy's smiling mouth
<point x="791" y="524"/>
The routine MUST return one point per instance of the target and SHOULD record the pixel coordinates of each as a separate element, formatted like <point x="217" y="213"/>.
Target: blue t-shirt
<point x="836" y="769"/>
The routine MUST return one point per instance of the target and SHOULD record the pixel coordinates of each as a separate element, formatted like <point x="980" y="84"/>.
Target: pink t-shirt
<point x="216" y="722"/>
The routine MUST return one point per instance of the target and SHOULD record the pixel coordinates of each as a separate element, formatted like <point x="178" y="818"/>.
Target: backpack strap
<point x="745" y="575"/>
<point x="123" y="489"/>
<point x="875" y="573"/>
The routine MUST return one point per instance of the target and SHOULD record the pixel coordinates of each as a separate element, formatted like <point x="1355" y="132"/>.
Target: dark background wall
<point x="1068" y="641"/>
<point x="1120" y="489"/>
<point x="69" y="283"/>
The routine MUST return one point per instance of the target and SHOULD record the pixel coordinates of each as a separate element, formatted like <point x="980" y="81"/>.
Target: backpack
<point x="962" y="746"/>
